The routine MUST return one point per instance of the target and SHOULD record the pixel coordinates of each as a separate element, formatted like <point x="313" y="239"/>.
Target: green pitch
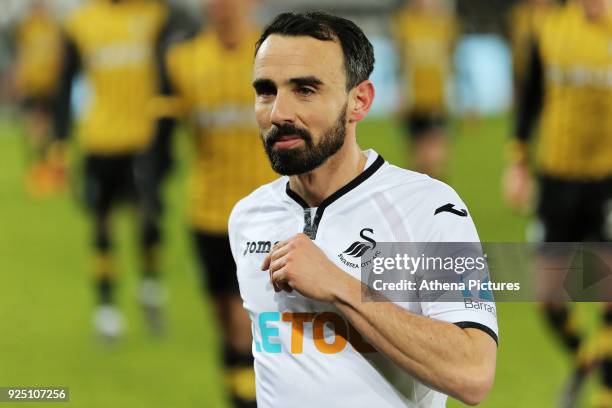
<point x="46" y="298"/>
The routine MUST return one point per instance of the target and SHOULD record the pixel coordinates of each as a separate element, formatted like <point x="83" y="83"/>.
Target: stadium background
<point x="45" y="301"/>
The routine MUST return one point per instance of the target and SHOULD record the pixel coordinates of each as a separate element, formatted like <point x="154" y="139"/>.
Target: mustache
<point x="286" y="129"/>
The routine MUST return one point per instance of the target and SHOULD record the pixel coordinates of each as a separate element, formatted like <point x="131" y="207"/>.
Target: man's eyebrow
<point x="263" y="83"/>
<point x="306" y="81"/>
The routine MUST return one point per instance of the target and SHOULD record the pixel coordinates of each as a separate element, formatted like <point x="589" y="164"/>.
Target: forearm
<point x="62" y="115"/>
<point x="531" y="98"/>
<point x="439" y="354"/>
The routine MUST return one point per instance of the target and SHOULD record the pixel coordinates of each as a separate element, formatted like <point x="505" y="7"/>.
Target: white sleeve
<point x="448" y="226"/>
<point x="232" y="231"/>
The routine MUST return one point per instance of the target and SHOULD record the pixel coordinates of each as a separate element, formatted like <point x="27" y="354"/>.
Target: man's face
<point x="539" y="3"/>
<point x="301" y="101"/>
<point x="426" y="5"/>
<point x="595" y="9"/>
<point x="223" y="11"/>
<point x="39" y="6"/>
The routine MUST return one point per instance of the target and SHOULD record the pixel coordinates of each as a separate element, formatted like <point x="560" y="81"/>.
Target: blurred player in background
<point x="116" y="45"/>
<point x="524" y="21"/>
<point x="36" y="70"/>
<point x="568" y="87"/>
<point x="211" y="77"/>
<point x="425" y="32"/>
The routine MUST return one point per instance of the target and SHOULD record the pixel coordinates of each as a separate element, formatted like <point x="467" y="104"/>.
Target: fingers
<point x="279" y="249"/>
<point x="275" y="262"/>
<point x="274" y="285"/>
<point x="280" y="280"/>
<point x="278" y="263"/>
<point x="276" y="266"/>
<point x="279" y="253"/>
<point x="266" y="262"/>
<point x="272" y="267"/>
<point x="517" y="184"/>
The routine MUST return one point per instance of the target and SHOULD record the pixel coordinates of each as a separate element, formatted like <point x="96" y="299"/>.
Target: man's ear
<point x="360" y="101"/>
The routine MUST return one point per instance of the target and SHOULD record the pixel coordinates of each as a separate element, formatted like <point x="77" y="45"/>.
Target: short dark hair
<point x="357" y="49"/>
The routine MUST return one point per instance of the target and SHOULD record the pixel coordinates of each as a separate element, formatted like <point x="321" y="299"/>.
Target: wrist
<point x="517" y="152"/>
<point x="57" y="152"/>
<point x="347" y="290"/>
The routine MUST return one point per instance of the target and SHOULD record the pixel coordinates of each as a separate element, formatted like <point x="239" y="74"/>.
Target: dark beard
<point x="304" y="159"/>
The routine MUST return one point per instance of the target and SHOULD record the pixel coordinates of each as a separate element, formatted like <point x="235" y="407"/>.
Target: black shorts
<point x="572" y="211"/>
<point x="419" y="124"/>
<point x="158" y="158"/>
<point x="217" y="266"/>
<point x="111" y="180"/>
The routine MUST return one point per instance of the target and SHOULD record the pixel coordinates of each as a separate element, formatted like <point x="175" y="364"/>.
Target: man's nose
<point x="283" y="110"/>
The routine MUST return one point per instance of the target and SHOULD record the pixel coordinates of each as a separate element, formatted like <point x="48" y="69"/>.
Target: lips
<point x="288" y="142"/>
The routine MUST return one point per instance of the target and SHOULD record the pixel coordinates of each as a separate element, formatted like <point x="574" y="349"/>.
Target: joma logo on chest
<point x="258" y="247"/>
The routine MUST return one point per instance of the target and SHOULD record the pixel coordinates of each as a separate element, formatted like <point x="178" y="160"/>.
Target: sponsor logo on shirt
<point x="224" y="117"/>
<point x="474" y="304"/>
<point x="330" y="333"/>
<point x="258" y="247"/>
<point x="119" y="55"/>
<point x="580" y="76"/>
<point x="450" y="208"/>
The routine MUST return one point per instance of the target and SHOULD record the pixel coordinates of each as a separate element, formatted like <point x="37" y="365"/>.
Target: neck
<point x="232" y="32"/>
<point x="337" y="171"/>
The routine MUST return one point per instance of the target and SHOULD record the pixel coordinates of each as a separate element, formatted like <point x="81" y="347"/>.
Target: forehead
<point x="283" y="57"/>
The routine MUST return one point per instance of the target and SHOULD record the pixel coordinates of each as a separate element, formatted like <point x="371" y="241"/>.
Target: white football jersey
<point x="306" y="353"/>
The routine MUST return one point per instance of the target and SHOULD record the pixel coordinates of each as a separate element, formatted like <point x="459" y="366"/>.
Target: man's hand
<point x="298" y="264"/>
<point x="47" y="176"/>
<point x="518" y="186"/>
<point x="458" y="362"/>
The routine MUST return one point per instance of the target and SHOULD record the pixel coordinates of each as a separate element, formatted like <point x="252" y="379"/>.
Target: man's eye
<point x="265" y="90"/>
<point x="305" y="91"/>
